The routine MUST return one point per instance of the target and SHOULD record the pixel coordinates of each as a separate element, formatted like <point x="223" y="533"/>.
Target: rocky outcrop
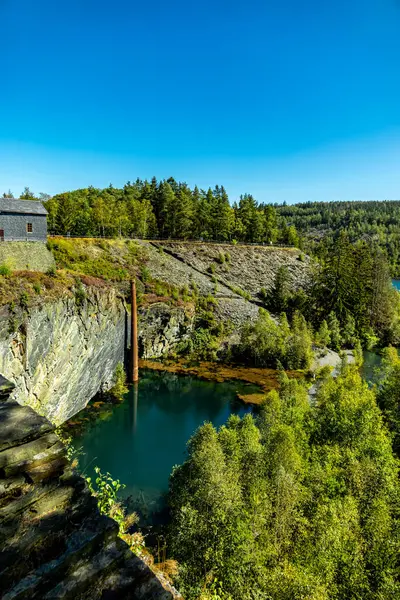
<point x="246" y="268"/>
<point x="54" y="542"/>
<point x="162" y="328"/>
<point x="61" y="354"/>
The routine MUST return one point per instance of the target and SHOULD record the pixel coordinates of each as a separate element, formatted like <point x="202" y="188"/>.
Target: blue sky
<point x="287" y="100"/>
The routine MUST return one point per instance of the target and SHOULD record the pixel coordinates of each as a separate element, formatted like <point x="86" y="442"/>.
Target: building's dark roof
<point x="15" y="205"/>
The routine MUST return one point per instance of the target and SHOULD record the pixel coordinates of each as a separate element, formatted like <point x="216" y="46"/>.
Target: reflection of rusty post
<point x="135" y="403"/>
<point x="134" y="336"/>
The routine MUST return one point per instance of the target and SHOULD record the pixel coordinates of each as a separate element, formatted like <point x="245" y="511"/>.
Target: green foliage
<point x="389" y="393"/>
<point x="221" y="258"/>
<point x="80" y="293"/>
<point x="334" y="331"/>
<point x="105" y="489"/>
<point x="267" y="342"/>
<point x="5" y="270"/>
<point x="263" y="295"/>
<point x="72" y="453"/>
<point x="349" y="337"/>
<point x="119" y="388"/>
<point x="86" y="257"/>
<point x="353" y="283"/>
<point x="211" y="268"/>
<point x="300" y="502"/>
<point x="37" y="289"/>
<point x="168" y="209"/>
<point x="282" y="297"/>
<point x="145" y="274"/>
<point x="202" y="345"/>
<point x="323" y="336"/>
<point x="373" y="220"/>
<point x="51" y="272"/>
<point x="243" y="293"/>
<point x="194" y="288"/>
<point x="24" y="300"/>
<point x="278" y="297"/>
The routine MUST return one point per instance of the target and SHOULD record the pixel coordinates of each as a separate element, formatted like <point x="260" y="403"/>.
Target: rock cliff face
<point x="60" y="354"/>
<point x="162" y="327"/>
<point x="54" y="542"/>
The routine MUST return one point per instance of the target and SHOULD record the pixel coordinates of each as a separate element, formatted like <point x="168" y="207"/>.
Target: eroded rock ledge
<point x="54" y="541"/>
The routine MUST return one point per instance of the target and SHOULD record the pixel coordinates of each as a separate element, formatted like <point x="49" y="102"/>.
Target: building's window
<point x="29" y="228"/>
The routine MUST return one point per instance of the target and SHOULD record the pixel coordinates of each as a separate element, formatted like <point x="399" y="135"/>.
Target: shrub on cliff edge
<point x="119" y="388"/>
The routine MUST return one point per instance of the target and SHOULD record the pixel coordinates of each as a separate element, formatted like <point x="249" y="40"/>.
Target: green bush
<point x="51" y="271"/>
<point x="242" y="293"/>
<point x="145" y="274"/>
<point x="80" y="294"/>
<point x="5" y="270"/>
<point x="211" y="268"/>
<point x="221" y="258"/>
<point x="266" y="343"/>
<point x="194" y="288"/>
<point x="263" y="294"/>
<point x="24" y="300"/>
<point x="119" y="388"/>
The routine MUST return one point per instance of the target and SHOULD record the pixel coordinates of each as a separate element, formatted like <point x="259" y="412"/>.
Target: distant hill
<point x="374" y="221"/>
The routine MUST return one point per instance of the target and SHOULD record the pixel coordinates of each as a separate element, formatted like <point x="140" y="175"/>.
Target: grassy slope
<point x="176" y="273"/>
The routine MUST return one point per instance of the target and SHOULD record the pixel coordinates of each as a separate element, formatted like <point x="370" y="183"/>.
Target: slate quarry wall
<point x="60" y="354"/>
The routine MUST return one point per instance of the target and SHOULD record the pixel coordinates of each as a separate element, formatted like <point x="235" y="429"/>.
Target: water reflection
<point x="146" y="435"/>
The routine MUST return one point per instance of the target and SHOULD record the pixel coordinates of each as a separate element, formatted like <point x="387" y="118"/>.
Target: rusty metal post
<point x="134" y="336"/>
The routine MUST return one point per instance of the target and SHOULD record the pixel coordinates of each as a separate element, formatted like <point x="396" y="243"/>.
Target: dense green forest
<point x="300" y="502"/>
<point x="375" y="222"/>
<point x="349" y="298"/>
<point x="164" y="209"/>
<point x="171" y="209"/>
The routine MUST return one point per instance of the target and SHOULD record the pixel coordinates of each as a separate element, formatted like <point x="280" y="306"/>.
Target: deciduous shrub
<point x="119" y="388"/>
<point x="5" y="270"/>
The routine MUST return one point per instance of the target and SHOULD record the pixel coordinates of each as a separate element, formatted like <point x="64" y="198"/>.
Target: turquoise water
<point x="396" y="283"/>
<point x="371" y="362"/>
<point x="140" y="440"/>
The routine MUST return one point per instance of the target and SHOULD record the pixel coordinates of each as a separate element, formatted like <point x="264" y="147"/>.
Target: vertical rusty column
<point x="134" y="336"/>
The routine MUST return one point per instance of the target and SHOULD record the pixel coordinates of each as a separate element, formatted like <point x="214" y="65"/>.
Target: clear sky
<point x="286" y="99"/>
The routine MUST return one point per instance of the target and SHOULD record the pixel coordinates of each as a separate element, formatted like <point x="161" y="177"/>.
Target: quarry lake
<point x="141" y="439"/>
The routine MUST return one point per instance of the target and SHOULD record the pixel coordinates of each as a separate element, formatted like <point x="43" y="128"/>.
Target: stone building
<point x="22" y="220"/>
